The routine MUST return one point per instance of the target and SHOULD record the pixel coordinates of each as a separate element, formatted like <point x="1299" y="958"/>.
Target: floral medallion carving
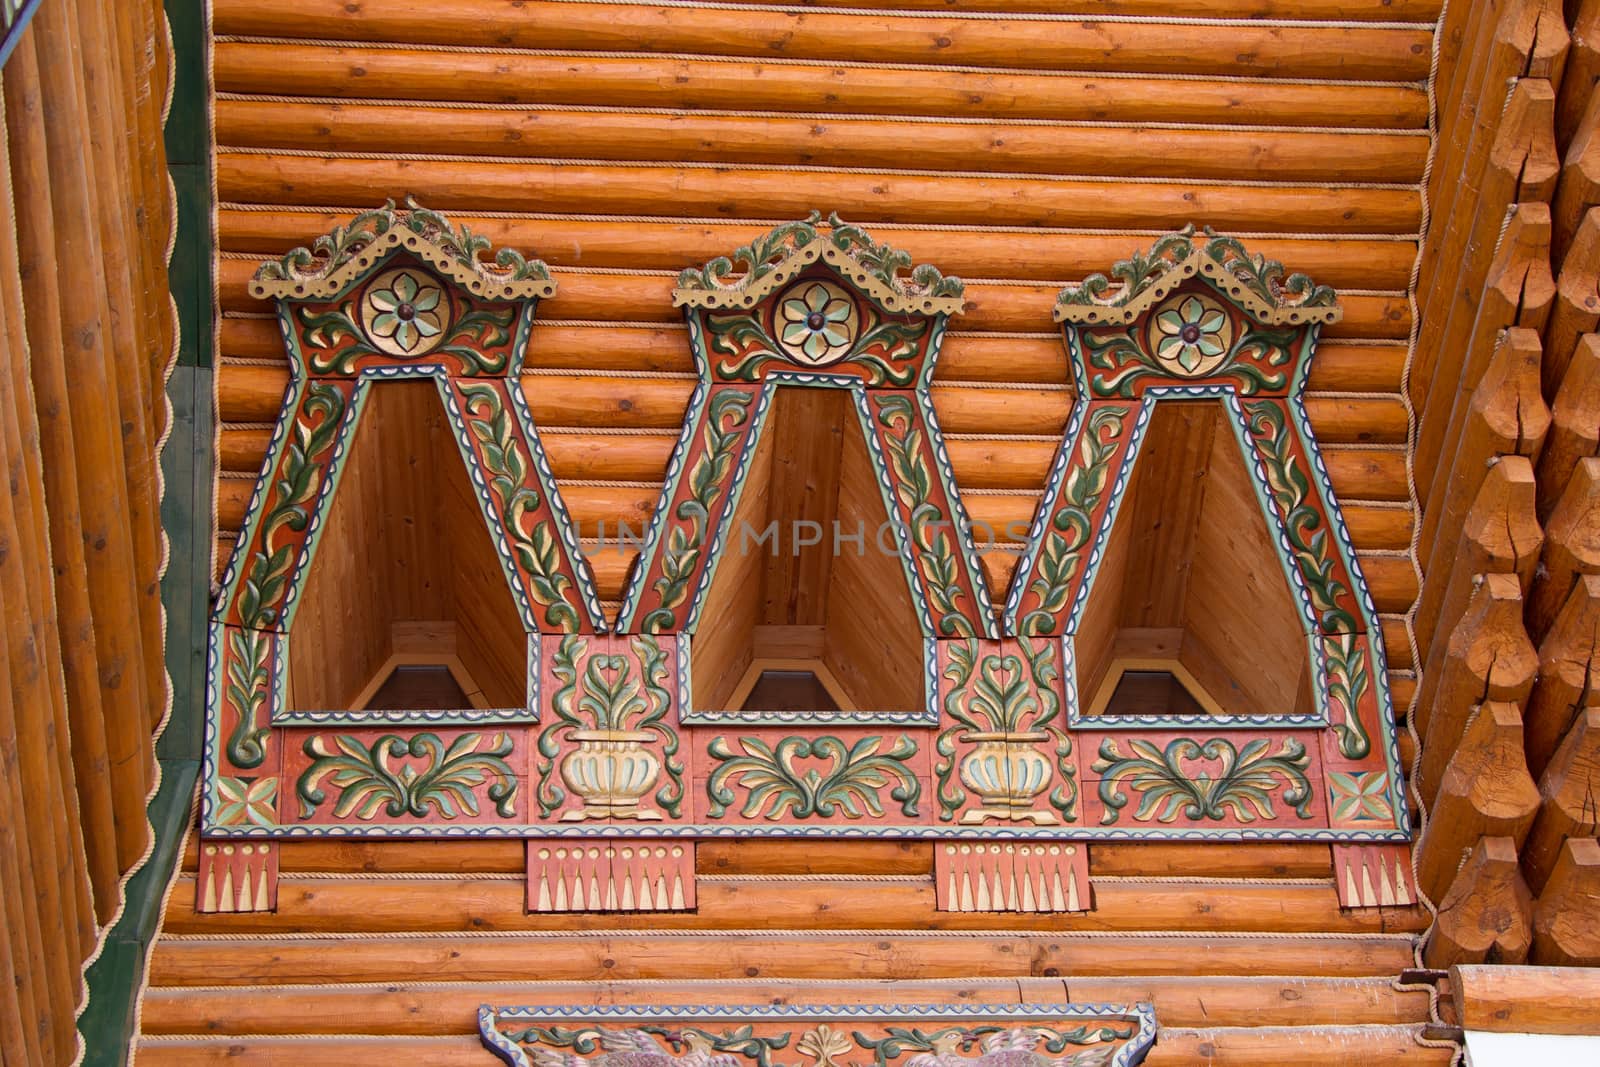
<point x="817" y="323"/>
<point x="405" y="312"/>
<point x="1190" y="336"/>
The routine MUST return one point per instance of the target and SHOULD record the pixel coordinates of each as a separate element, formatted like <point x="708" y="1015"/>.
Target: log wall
<point x="622" y="142"/>
<point x="1508" y="465"/>
<point x="86" y="338"/>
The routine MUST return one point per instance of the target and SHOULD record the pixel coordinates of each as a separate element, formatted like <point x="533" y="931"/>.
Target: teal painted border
<point x="187" y="465"/>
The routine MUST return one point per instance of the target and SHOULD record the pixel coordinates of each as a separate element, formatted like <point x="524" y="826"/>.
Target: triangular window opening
<point x="405" y="605"/>
<point x="809" y="602"/>
<point x="1190" y="612"/>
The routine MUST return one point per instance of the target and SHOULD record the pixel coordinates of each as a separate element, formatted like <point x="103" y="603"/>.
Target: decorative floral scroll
<point x="610" y="738"/>
<point x="338" y="249"/>
<point x="934" y="535"/>
<point x="1072" y="524"/>
<point x="726" y="426"/>
<point x="821" y="1035"/>
<point x="1267" y="286"/>
<point x="417" y="777"/>
<point x="291" y="493"/>
<point x="885" y="274"/>
<point x="777" y="787"/>
<point x="1203" y="781"/>
<point x="524" y="516"/>
<point x="1312" y="541"/>
<point x="1001" y="748"/>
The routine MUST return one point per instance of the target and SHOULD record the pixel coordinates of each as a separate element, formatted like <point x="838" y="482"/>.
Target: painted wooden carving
<point x="914" y="709"/>
<point x="786" y="1035"/>
<point x="820" y="307"/>
<point x="609" y="875"/>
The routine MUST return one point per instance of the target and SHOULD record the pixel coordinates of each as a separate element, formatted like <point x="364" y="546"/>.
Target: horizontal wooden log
<point x="1263" y="860"/>
<point x="181" y="961"/>
<point x="1344" y="10"/>
<point x="965" y="356"/>
<point x="1350" y="52"/>
<point x="580" y="188"/>
<point x="1487" y="916"/>
<point x="1525" y="1000"/>
<point x="1373" y="1046"/>
<point x="437" y="1009"/>
<point x="773" y="83"/>
<point x="975" y="252"/>
<point x="1564" y="930"/>
<point x="251" y="393"/>
<point x="399" y="904"/>
<point x="692" y="137"/>
<point x="1567" y="790"/>
<point x="990" y="306"/>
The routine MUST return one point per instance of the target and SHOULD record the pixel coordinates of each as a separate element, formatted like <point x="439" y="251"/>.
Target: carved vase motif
<point x="1007" y="771"/>
<point x="612" y="771"/>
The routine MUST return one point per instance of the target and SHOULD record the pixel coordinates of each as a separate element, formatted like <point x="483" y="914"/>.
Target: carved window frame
<point x="336" y="359"/>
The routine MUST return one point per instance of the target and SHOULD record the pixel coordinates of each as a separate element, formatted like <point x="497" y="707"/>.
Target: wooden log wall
<point x="622" y="142"/>
<point x="1508" y="461"/>
<point x="87" y="335"/>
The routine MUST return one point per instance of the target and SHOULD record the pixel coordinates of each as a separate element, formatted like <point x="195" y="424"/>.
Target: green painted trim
<point x="115" y="977"/>
<point x="187" y="463"/>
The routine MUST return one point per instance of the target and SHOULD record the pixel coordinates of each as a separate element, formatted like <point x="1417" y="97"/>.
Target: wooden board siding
<point x="623" y="142"/>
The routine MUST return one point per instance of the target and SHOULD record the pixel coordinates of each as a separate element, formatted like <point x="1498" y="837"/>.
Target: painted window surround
<point x="610" y="746"/>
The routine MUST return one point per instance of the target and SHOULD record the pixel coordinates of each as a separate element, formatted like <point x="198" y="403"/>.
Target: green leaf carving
<point x="775" y="788"/>
<point x="728" y="412"/>
<point x="1070" y="528"/>
<point x="367" y="780"/>
<point x="248" y="681"/>
<point x="290" y="496"/>
<point x="932" y="532"/>
<point x="1242" y="787"/>
<point x="534" y="540"/>
<point x="1310" y="545"/>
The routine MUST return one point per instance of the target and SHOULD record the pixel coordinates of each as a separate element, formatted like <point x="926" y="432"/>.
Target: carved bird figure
<point x="1007" y="1048"/>
<point x="636" y="1048"/>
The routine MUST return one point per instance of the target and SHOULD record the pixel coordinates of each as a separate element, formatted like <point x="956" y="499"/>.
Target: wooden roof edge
<point x="338" y="258"/>
<point x="1255" y="283"/>
<point x="884" y="273"/>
